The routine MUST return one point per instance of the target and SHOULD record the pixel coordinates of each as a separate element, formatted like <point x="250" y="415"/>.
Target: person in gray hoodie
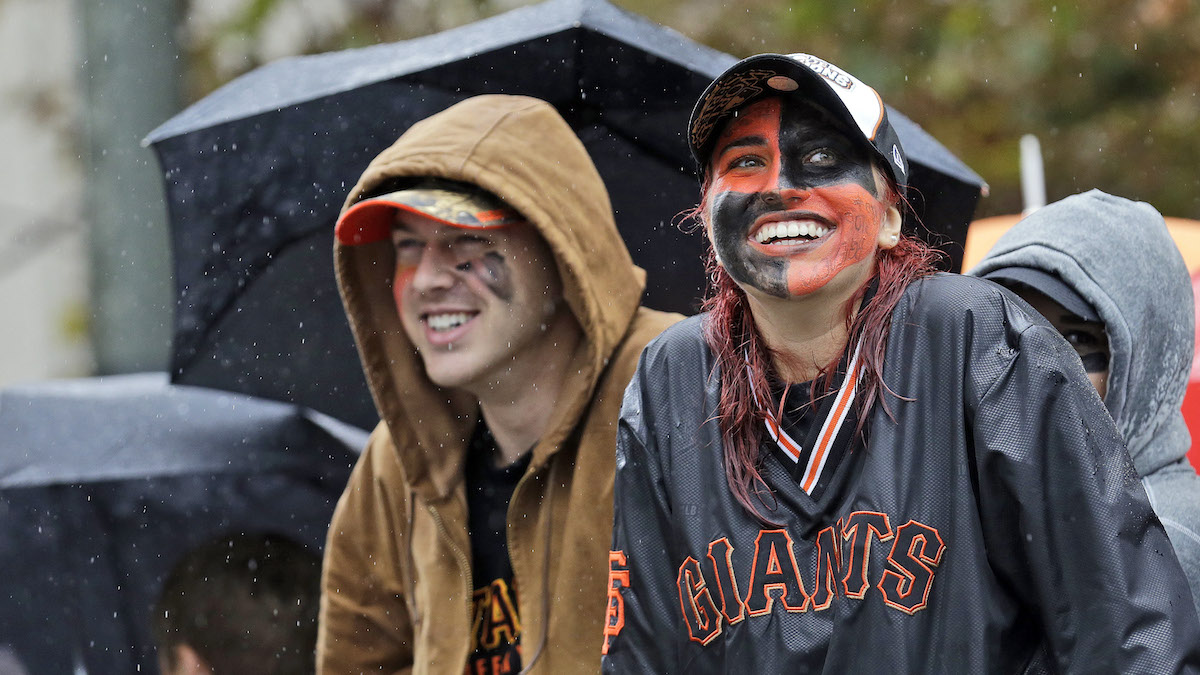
<point x="1106" y="273"/>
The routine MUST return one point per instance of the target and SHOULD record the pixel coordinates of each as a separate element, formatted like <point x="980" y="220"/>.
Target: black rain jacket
<point x="995" y="525"/>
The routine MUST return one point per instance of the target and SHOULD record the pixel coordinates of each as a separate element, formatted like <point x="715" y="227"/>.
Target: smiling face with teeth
<point x="793" y="202"/>
<point x="479" y="305"/>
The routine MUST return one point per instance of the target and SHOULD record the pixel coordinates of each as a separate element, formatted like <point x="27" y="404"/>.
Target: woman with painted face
<point x="851" y="463"/>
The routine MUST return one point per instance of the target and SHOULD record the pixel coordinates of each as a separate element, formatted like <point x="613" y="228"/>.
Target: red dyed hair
<point x="746" y="363"/>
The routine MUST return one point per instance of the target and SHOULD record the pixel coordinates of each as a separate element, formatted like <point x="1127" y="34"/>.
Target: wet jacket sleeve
<point x="364" y="623"/>
<point x="640" y="628"/>
<point x="1067" y="523"/>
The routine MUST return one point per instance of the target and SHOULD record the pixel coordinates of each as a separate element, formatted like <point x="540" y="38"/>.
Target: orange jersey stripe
<point x="826" y="439"/>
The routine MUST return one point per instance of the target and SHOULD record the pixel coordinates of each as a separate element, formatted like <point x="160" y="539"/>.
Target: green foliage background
<point x="1108" y="86"/>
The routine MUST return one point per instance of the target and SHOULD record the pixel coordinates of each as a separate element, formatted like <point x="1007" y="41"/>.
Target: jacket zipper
<point x="464" y="565"/>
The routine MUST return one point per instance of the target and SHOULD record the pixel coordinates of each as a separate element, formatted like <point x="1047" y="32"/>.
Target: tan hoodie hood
<point x="522" y="151"/>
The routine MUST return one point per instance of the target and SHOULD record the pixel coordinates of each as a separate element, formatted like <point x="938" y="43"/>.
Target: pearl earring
<point x="895" y="239"/>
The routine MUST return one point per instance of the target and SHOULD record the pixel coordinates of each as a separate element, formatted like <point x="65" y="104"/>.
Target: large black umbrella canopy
<point x="256" y="173"/>
<point x="106" y="482"/>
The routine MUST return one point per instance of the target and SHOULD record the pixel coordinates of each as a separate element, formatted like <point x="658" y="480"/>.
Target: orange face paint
<point x="751" y="139"/>
<point x="858" y="215"/>
<point x="400" y="280"/>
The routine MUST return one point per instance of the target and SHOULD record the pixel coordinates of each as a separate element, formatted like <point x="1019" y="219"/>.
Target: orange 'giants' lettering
<point x="771" y="572"/>
<point x="916" y="549"/>
<point x="699" y="612"/>
<point x="614" y="617"/>
<point x="843" y="557"/>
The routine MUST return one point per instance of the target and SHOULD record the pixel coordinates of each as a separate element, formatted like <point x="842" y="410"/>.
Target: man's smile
<point x="442" y="322"/>
<point x="443" y="326"/>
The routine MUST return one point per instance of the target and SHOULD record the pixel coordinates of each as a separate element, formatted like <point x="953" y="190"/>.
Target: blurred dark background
<point x="1109" y="86"/>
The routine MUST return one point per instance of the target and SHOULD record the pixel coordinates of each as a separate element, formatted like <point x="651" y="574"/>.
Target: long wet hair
<point x="746" y="362"/>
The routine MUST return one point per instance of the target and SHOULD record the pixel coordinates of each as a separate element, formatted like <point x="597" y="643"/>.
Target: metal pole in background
<point x="130" y="83"/>
<point x="1033" y="175"/>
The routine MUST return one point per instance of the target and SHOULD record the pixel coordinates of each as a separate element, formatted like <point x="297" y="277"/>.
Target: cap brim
<point x="1048" y="285"/>
<point x="371" y="220"/>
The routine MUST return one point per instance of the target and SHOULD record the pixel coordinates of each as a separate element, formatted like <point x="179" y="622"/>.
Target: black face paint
<point x="493" y="271"/>
<point x="804" y="130"/>
<point x="487" y="266"/>
<point x="763" y="272"/>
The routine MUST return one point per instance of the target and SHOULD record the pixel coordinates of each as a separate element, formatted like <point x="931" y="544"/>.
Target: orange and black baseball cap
<point x="853" y="103"/>
<point x="448" y="202"/>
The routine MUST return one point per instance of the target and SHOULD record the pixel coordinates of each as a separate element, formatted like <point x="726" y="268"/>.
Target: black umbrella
<point x="256" y="172"/>
<point x="105" y="483"/>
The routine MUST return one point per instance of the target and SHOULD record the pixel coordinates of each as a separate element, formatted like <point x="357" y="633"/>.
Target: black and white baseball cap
<point x="804" y="76"/>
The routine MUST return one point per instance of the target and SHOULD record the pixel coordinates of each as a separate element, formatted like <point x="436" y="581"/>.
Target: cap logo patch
<point x="826" y="70"/>
<point x="783" y="83"/>
<point x="730" y="94"/>
<point x="897" y="159"/>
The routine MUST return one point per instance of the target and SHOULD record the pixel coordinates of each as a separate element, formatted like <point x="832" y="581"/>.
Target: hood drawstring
<point x="410" y="595"/>
<point x="546" y="591"/>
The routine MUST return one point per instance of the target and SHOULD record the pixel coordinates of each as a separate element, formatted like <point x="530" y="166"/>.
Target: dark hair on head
<point x="246" y="603"/>
<point x="746" y="363"/>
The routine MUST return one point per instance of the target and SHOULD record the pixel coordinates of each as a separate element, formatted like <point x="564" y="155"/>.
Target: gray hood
<point x="1119" y="256"/>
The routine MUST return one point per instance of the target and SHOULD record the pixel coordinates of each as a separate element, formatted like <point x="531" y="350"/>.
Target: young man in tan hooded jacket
<point x="497" y="315"/>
